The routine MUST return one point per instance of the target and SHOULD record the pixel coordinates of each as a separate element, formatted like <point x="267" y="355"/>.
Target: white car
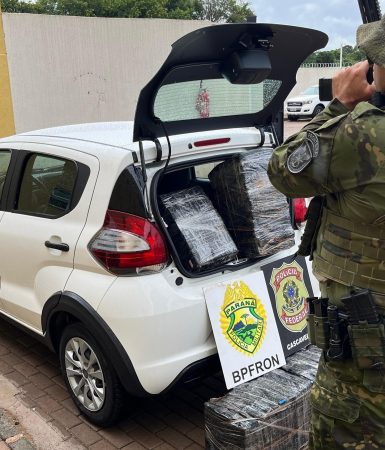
<point x="307" y="104"/>
<point x="87" y="262"/>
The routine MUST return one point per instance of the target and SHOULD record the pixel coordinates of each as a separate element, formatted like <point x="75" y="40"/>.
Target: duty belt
<point x="354" y="332"/>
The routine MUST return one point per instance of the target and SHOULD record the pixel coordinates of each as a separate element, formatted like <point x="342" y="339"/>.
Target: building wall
<point x="7" y="125"/>
<point x="309" y="76"/>
<point x="67" y="70"/>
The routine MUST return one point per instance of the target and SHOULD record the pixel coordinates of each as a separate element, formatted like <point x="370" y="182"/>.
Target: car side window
<point x="5" y="158"/>
<point x="47" y="186"/>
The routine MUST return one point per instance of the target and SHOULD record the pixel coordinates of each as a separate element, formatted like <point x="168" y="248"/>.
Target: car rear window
<point x="200" y="99"/>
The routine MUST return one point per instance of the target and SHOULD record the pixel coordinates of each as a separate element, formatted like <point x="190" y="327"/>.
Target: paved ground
<point x="32" y="392"/>
<point x="293" y="127"/>
<point x="173" y="421"/>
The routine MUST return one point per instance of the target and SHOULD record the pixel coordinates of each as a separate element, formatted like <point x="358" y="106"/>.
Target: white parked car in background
<point x="307" y="104"/>
<point x="88" y="263"/>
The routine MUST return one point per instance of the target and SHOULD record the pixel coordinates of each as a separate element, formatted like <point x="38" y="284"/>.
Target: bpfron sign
<point x="244" y="328"/>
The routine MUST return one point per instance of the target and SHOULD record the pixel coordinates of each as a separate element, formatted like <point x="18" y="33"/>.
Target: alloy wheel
<point x="84" y="374"/>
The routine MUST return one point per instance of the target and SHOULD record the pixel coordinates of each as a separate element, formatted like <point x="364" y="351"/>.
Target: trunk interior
<point x="221" y="214"/>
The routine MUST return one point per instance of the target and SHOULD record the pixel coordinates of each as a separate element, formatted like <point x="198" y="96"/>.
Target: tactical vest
<point x="350" y="253"/>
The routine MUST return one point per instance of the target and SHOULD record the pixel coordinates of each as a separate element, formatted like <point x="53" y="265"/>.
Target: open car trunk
<point x="222" y="213"/>
<point x="221" y="77"/>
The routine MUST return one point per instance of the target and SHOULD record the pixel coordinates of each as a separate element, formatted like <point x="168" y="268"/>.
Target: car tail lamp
<point x="129" y="244"/>
<point x="300" y="210"/>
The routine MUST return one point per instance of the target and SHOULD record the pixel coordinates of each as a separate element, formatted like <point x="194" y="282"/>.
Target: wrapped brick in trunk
<point x="197" y="230"/>
<point x="255" y="213"/>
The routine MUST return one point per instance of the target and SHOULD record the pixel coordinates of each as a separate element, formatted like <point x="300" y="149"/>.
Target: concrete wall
<point x="309" y="76"/>
<point x="67" y="70"/>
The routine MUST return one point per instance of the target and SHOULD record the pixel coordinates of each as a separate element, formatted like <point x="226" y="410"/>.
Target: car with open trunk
<point x="100" y="259"/>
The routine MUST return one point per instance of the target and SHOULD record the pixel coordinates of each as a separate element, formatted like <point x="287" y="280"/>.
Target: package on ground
<point x="277" y="404"/>
<point x="198" y="231"/>
<point x="304" y="363"/>
<point x="255" y="213"/>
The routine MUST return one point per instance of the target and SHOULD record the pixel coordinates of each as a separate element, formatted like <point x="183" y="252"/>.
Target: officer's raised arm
<point x="318" y="160"/>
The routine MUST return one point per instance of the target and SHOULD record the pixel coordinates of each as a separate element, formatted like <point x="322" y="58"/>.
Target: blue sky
<point x="337" y="18"/>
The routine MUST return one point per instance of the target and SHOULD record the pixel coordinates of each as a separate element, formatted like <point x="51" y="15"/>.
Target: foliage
<point x="350" y="55"/>
<point x="213" y="10"/>
<point x="222" y="10"/>
<point x="17" y="6"/>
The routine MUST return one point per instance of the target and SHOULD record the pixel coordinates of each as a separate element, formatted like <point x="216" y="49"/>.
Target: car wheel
<point x="317" y="110"/>
<point x="293" y="118"/>
<point x="90" y="378"/>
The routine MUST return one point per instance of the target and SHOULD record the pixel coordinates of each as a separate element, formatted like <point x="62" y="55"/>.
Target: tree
<point x="17" y="6"/>
<point x="180" y="9"/>
<point x="222" y="10"/>
<point x="214" y="10"/>
<point x="350" y="55"/>
<point x="245" y="316"/>
<point x="240" y="13"/>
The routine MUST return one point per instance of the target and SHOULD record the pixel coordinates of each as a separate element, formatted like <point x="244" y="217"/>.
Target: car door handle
<point x="57" y="246"/>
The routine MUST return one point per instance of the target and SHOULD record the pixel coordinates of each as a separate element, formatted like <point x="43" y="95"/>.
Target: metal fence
<point x="319" y="65"/>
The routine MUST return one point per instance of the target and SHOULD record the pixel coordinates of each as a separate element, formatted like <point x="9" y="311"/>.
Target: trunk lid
<point x="224" y="76"/>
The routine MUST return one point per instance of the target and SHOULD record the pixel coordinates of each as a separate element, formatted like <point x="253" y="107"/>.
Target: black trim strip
<point x="71" y="303"/>
<point x="8" y="178"/>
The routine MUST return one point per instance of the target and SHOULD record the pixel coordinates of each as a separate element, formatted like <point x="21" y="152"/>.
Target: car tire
<point x="90" y="378"/>
<point x="318" y="109"/>
<point x="293" y="118"/>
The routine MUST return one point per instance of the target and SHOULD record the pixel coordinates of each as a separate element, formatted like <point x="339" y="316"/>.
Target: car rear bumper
<point x="305" y="110"/>
<point x="164" y="326"/>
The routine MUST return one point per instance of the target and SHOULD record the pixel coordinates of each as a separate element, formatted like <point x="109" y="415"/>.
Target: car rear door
<point x="45" y="212"/>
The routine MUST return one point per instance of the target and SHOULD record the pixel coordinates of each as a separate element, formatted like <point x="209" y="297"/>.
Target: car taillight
<point x="300" y="210"/>
<point x="129" y="243"/>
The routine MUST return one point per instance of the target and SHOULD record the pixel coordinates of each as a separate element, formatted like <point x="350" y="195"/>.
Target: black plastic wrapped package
<point x="255" y="213"/>
<point x="196" y="229"/>
<point x="271" y="412"/>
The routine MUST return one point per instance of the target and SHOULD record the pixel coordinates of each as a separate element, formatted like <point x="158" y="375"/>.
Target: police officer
<point x="340" y="156"/>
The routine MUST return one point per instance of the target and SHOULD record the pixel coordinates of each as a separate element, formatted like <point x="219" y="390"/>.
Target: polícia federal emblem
<point x="243" y="318"/>
<point x="290" y="293"/>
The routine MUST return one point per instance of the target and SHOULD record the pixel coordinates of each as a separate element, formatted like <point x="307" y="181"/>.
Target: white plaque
<point x="244" y="328"/>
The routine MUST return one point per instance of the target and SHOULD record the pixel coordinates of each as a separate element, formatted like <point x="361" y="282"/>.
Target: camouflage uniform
<point x="340" y="155"/>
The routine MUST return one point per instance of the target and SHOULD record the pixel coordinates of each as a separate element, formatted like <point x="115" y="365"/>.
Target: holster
<point x="318" y="324"/>
<point x="321" y="332"/>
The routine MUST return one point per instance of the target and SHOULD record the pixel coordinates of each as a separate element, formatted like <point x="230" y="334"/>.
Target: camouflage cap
<point x="371" y="40"/>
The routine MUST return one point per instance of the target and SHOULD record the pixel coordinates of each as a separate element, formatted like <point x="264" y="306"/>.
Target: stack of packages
<point x="255" y="213"/>
<point x="197" y="230"/>
<point x="277" y="404"/>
